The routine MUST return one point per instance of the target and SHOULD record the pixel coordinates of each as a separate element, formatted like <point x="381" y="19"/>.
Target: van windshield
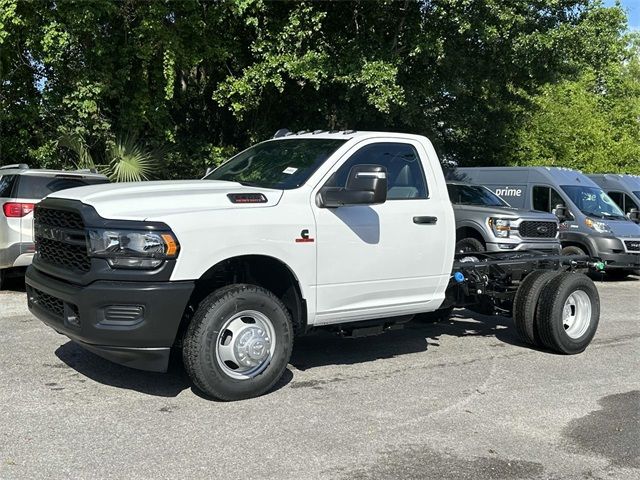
<point x="280" y="164"/>
<point x="637" y="194"/>
<point x="593" y="202"/>
<point x="474" y="195"/>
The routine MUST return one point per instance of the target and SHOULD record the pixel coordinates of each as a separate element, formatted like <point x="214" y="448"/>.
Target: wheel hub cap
<point x="245" y="344"/>
<point x="252" y="346"/>
<point x="576" y="314"/>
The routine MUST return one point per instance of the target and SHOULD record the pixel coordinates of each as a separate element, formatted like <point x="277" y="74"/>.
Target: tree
<point x="591" y="124"/>
<point x="203" y="79"/>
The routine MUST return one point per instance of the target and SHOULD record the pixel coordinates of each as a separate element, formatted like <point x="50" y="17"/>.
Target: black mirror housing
<point x="366" y="185"/>
<point x="562" y="213"/>
<point x="634" y="215"/>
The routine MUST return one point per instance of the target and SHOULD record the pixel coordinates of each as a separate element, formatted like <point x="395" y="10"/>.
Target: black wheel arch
<point x="261" y="270"/>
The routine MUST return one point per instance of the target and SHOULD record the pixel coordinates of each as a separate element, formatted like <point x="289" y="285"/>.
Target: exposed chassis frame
<point x="488" y="281"/>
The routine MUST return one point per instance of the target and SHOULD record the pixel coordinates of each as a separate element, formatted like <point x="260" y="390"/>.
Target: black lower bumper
<point x="610" y="250"/>
<point x="130" y="323"/>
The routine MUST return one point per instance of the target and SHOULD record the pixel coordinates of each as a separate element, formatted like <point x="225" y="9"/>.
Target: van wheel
<point x="239" y="342"/>
<point x="573" y="250"/>
<point x="526" y="302"/>
<point x="470" y="244"/>
<point x="568" y="313"/>
<point x="2" y="279"/>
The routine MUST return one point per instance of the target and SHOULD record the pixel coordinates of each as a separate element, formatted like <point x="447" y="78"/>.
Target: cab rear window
<point x="6" y="185"/>
<point x="36" y="187"/>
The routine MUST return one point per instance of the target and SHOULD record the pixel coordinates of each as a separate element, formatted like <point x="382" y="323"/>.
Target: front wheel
<point x="239" y="342"/>
<point x="468" y="245"/>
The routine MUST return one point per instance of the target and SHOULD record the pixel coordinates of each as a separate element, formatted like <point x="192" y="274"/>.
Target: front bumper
<point x="612" y="251"/>
<point x="86" y="315"/>
<point x="550" y="247"/>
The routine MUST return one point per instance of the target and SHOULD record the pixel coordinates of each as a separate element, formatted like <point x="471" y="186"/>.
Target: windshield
<point x="474" y="195"/>
<point x="637" y="194"/>
<point x="281" y="164"/>
<point x="593" y="201"/>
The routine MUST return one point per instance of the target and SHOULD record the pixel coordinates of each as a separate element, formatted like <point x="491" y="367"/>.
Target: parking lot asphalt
<point x="461" y="399"/>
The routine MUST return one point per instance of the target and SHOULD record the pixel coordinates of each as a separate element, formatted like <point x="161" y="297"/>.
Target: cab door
<point x="388" y="259"/>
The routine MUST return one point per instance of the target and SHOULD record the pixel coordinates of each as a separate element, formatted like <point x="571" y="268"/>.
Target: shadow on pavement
<point x="315" y="350"/>
<point x="324" y="348"/>
<point x="168" y="384"/>
<point x="103" y="371"/>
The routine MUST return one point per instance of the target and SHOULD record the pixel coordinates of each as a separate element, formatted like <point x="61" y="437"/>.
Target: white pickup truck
<point x="351" y="231"/>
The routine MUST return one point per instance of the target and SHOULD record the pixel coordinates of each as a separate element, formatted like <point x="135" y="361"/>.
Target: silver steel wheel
<point x="245" y="344"/>
<point x="576" y="314"/>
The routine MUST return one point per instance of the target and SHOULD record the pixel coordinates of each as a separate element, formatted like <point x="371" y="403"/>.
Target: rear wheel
<point x="568" y="313"/>
<point x="525" y="303"/>
<point x="239" y="342"/>
<point x="467" y="245"/>
<point x="2" y="279"/>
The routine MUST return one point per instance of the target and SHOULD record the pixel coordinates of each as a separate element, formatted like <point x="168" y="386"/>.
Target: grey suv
<point x="20" y="189"/>
<point x="485" y="222"/>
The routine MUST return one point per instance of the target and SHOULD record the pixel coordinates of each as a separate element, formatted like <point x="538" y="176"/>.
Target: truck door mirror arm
<point x="366" y="185"/>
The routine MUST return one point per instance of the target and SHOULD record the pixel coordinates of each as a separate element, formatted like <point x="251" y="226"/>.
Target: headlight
<point x="500" y="227"/>
<point x="599" y="227"/>
<point x="133" y="249"/>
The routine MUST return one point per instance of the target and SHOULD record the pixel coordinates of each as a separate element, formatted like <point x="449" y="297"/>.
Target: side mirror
<point x="634" y="215"/>
<point x="366" y="185"/>
<point x="562" y="213"/>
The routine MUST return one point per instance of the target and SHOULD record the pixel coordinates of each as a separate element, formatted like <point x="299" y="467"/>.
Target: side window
<point x="541" y="198"/>
<point x="556" y="199"/>
<point x="32" y="186"/>
<point x="629" y="203"/>
<point x="405" y="176"/>
<point x="617" y="197"/>
<point x="546" y="199"/>
<point x="6" y="185"/>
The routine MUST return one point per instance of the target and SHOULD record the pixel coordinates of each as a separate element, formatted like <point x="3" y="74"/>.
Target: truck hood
<point x="148" y="200"/>
<point x="506" y="212"/>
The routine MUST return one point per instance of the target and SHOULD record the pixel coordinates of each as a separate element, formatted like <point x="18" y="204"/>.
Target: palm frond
<point x="78" y="145"/>
<point x="128" y="161"/>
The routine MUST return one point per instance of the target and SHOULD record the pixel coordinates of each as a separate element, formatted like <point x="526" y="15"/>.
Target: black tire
<point x="468" y="245"/>
<point x="573" y="250"/>
<point x="200" y="342"/>
<point x="549" y="315"/>
<point x="2" y="279"/>
<point x="525" y="303"/>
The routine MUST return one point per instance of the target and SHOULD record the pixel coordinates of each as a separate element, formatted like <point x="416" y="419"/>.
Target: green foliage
<point x="128" y="161"/>
<point x="202" y="79"/>
<point x="590" y="124"/>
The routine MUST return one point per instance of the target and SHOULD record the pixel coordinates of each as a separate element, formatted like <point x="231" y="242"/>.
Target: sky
<point x="632" y="8"/>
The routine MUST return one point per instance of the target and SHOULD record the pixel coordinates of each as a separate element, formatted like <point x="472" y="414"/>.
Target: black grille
<point x="538" y="229"/>
<point x="56" y="235"/>
<point x="58" y="218"/>
<point x="632" y="245"/>
<point x="69" y="257"/>
<point x="46" y="302"/>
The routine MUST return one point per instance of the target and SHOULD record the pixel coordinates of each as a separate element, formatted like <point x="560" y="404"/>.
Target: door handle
<point x="425" y="220"/>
